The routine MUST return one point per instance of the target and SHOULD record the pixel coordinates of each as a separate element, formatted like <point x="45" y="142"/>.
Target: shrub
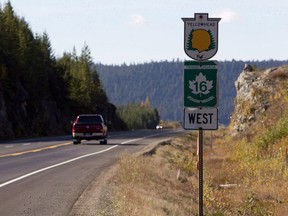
<point x="273" y="134"/>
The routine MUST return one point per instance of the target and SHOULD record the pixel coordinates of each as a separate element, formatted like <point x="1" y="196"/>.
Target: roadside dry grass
<point x="243" y="176"/>
<point x="158" y="183"/>
<point x="237" y="180"/>
<point x="259" y="180"/>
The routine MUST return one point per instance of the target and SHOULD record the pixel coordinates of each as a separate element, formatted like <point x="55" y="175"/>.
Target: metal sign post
<point x="200" y="82"/>
<point x="200" y="169"/>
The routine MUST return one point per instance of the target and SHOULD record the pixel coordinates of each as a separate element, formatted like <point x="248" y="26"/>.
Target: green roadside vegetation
<point x="139" y="115"/>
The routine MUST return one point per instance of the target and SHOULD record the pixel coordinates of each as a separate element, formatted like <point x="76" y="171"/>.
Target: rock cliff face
<point x="6" y="125"/>
<point x="19" y="118"/>
<point x="256" y="91"/>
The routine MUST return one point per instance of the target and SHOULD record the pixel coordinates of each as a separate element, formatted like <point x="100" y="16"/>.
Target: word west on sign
<point x="201" y="118"/>
<point x="200" y="84"/>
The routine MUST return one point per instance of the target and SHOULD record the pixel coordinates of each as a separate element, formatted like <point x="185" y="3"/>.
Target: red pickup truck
<point x="89" y="127"/>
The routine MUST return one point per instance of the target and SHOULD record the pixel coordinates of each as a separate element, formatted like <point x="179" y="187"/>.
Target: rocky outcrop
<point x="20" y="117"/>
<point x="254" y="90"/>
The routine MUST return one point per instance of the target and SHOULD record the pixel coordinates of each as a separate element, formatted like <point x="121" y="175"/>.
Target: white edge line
<point x="68" y="161"/>
<point x="53" y="166"/>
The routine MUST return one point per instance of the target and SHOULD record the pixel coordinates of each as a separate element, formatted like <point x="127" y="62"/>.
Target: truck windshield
<point x="89" y="119"/>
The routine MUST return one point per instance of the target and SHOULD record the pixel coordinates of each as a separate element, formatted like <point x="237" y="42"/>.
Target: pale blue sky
<point x="138" y="31"/>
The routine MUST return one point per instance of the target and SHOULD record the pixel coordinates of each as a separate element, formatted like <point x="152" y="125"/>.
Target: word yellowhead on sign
<point x="201" y="36"/>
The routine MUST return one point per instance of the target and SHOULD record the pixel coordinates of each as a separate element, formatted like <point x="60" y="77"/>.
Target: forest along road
<point x="47" y="176"/>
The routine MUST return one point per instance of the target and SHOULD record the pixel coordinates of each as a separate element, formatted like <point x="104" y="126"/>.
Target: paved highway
<point x="46" y="176"/>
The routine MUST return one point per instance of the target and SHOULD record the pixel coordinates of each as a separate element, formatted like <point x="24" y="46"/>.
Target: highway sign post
<point x="200" y="81"/>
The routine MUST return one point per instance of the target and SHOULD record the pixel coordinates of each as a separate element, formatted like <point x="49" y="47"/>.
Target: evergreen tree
<point x="85" y="87"/>
<point x="136" y="116"/>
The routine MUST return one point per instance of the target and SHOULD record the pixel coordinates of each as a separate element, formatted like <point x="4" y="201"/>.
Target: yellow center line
<point x="36" y="150"/>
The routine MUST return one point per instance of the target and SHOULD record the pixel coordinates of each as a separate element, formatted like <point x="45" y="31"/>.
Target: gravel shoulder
<point x="96" y="199"/>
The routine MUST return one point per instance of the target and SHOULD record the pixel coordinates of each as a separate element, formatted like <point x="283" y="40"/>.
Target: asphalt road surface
<point x="46" y="176"/>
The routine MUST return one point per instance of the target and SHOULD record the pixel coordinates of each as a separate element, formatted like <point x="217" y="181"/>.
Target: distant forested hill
<point x="162" y="82"/>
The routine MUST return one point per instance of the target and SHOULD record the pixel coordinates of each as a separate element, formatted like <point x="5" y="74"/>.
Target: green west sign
<point x="200" y="84"/>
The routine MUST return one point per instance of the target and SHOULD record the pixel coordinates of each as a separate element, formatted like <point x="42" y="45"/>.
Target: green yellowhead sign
<point x="200" y="84"/>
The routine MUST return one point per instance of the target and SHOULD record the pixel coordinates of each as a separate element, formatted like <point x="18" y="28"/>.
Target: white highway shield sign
<point x="196" y="118"/>
<point x="201" y="36"/>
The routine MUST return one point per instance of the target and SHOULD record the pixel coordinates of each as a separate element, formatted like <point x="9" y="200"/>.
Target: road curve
<point x="47" y="176"/>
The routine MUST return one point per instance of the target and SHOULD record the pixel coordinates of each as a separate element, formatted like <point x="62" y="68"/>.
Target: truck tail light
<point x="74" y="128"/>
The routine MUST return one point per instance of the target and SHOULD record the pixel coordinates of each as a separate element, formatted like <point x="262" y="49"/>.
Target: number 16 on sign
<point x="200" y="84"/>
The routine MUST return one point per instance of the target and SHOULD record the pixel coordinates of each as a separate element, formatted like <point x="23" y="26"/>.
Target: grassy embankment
<point x="240" y="178"/>
<point x="243" y="175"/>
